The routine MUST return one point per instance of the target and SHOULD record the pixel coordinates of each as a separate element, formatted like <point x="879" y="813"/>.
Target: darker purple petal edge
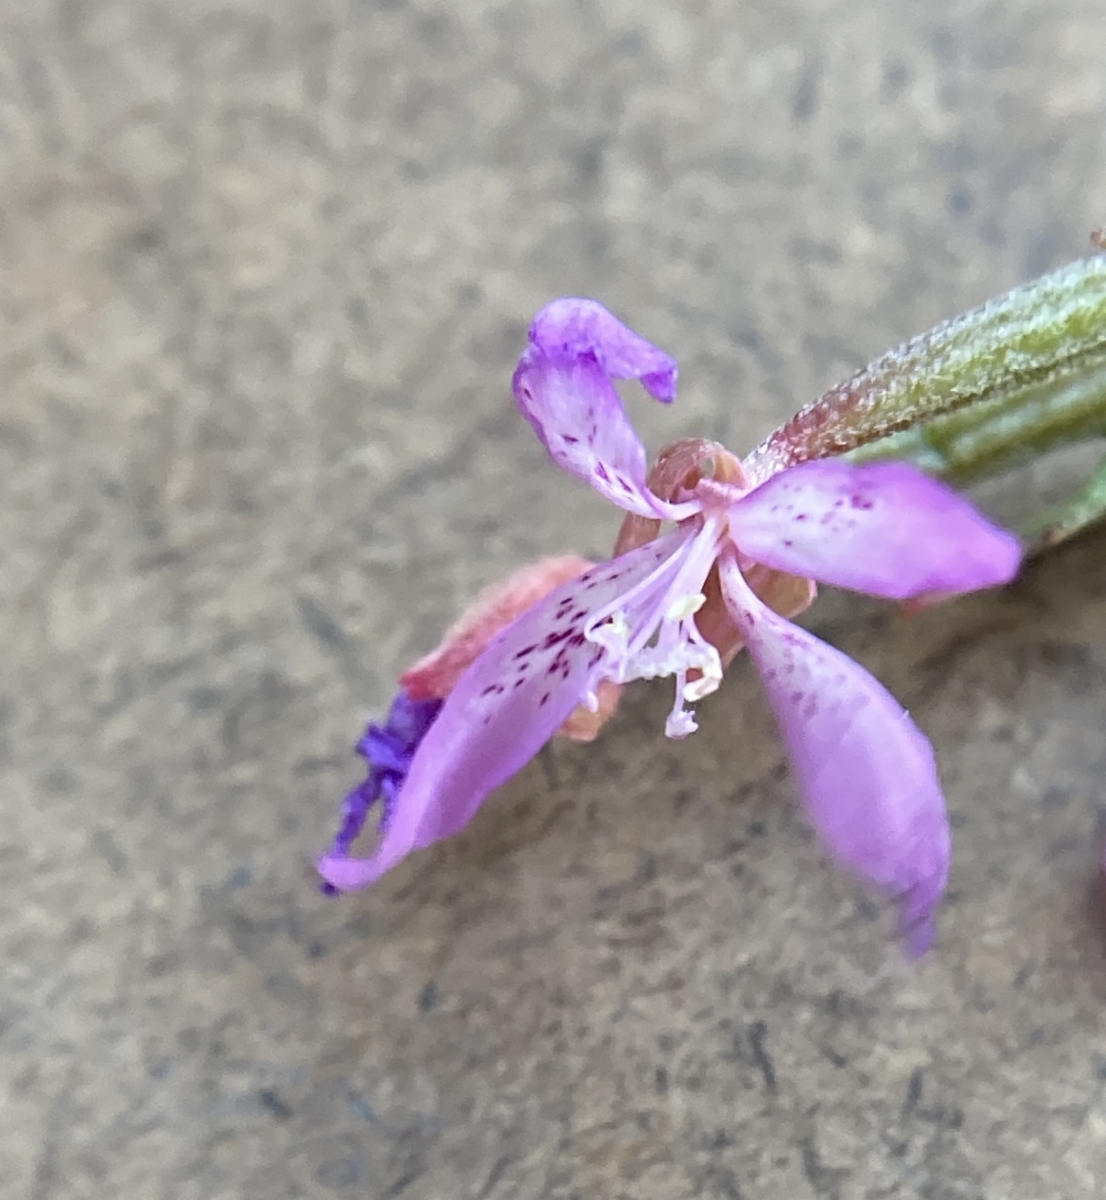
<point x="388" y="748"/>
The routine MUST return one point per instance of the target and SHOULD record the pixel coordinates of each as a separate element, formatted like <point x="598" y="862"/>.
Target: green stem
<point x="976" y="396"/>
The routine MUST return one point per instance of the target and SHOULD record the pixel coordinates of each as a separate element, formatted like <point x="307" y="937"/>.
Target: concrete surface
<point x="264" y="269"/>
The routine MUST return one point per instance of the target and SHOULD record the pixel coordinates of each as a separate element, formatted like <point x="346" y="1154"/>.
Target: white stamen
<point x="612" y="635"/>
<point x="703" y="686"/>
<point x="679" y="724"/>
<point x="686" y="606"/>
<point x="651" y="634"/>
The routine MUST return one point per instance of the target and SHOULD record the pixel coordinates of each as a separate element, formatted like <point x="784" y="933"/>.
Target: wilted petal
<point x="563" y="387"/>
<point x="866" y="772"/>
<point x="501" y="712"/>
<point x="679" y="470"/>
<point x="884" y="528"/>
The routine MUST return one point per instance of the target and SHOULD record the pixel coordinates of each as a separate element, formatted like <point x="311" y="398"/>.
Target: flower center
<point x="650" y="631"/>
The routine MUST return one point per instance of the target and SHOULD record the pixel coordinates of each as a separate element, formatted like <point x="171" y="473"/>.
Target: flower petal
<point x="866" y="772"/>
<point x="884" y="528"/>
<point x="503" y="709"/>
<point x="572" y="328"/>
<point x="388" y="749"/>
<point x="563" y="387"/>
<point x="436" y="673"/>
<point x="787" y="595"/>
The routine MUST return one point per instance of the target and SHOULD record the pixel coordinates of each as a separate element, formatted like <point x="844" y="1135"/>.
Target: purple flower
<point x="866" y="772"/>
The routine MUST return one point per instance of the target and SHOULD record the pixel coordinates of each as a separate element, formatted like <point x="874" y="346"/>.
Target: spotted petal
<point x="436" y="673"/>
<point x="866" y="772"/>
<point x="571" y="328"/>
<point x="564" y="389"/>
<point x="884" y="528"/>
<point x="503" y="709"/>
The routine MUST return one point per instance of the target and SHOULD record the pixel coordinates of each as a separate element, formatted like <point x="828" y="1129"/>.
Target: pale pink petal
<point x="564" y="389"/>
<point x="884" y="528"/>
<point x="503" y="709"/>
<point x="866" y="772"/>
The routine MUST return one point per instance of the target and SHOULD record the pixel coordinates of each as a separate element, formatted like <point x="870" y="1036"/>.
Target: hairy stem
<point x="981" y="393"/>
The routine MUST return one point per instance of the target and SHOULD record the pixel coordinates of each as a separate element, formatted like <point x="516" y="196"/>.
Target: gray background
<point x="265" y="267"/>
